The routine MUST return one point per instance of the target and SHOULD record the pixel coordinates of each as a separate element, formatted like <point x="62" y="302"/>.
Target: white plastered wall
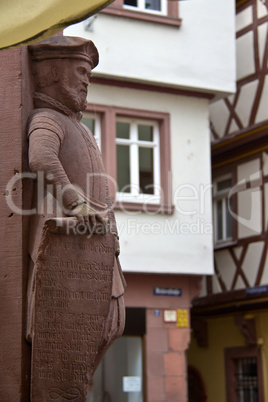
<point x="182" y="242"/>
<point x="200" y="55"/>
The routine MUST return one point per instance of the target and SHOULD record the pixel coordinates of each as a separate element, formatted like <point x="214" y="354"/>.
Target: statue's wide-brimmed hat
<point x="65" y="47"/>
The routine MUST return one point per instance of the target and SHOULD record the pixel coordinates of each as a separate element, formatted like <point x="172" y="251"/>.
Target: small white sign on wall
<point x="131" y="384"/>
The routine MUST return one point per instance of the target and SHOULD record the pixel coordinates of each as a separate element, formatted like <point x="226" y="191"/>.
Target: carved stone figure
<point x="76" y="286"/>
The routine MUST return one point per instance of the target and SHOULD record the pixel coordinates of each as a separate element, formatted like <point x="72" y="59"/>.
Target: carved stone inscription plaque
<point x="72" y="297"/>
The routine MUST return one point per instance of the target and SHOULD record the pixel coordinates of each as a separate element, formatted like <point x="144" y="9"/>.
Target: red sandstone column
<point x="166" y="347"/>
<point x="15" y="105"/>
<point x="176" y="364"/>
<point x="166" y="360"/>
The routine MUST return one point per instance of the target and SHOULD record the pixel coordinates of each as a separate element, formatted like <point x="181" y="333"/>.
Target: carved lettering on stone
<point x="72" y="295"/>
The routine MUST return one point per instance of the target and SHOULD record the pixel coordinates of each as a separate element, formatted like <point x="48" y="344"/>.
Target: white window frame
<point x="97" y="118"/>
<point x="133" y="142"/>
<point x="141" y="7"/>
<point x="221" y="195"/>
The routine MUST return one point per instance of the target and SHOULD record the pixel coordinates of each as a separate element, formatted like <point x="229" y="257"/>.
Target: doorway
<point x="119" y="377"/>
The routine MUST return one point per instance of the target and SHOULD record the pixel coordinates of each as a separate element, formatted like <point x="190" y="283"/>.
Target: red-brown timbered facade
<point x="229" y="319"/>
<point x="239" y="135"/>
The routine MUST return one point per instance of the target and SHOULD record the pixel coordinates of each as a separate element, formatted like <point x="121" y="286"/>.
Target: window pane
<point x="146" y="172"/>
<point x="247" y="379"/>
<point x="123" y="168"/>
<point x="153" y="5"/>
<point x="132" y="3"/>
<point x="224" y="184"/>
<point x="126" y="355"/>
<point x="219" y="220"/>
<point x="90" y="123"/>
<point x="145" y="133"/>
<point x="229" y="220"/>
<point x="122" y="130"/>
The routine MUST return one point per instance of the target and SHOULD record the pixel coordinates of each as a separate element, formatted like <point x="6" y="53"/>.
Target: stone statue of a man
<point x="67" y="162"/>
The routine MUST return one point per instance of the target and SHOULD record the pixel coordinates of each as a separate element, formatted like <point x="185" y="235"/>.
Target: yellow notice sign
<point x="182" y="319"/>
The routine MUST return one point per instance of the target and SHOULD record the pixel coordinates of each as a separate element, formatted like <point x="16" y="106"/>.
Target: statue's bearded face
<point x="73" y="84"/>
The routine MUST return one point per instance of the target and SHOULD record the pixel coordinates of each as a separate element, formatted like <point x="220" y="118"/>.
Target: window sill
<point x="142" y="207"/>
<point x="220" y="246"/>
<point x="142" y="16"/>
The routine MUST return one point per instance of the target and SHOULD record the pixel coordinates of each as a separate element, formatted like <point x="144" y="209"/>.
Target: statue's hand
<point x="90" y="218"/>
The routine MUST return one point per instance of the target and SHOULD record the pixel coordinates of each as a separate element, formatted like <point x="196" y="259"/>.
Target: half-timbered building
<point x="228" y="356"/>
<point x="161" y="63"/>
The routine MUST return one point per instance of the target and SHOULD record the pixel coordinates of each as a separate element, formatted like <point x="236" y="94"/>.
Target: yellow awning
<point x="26" y="21"/>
